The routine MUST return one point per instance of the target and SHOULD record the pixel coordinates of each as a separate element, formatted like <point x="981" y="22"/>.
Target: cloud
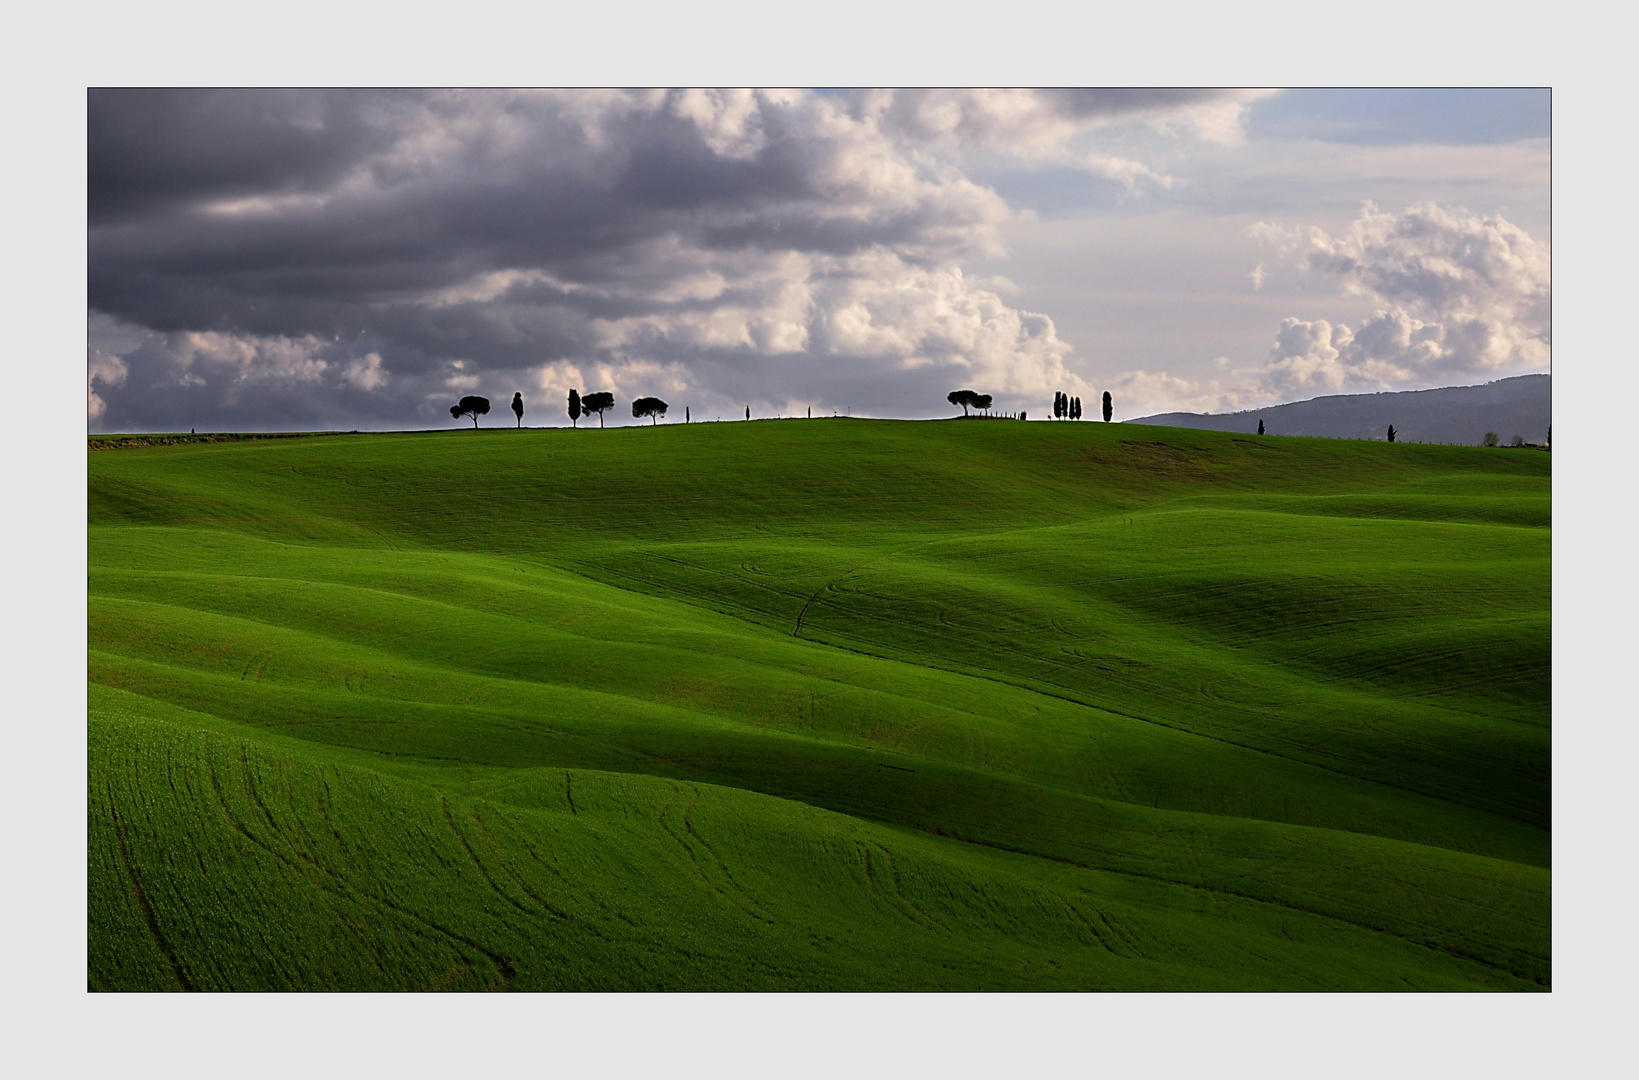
<point x="107" y="369"/>
<point x="1458" y="297"/>
<point x="348" y="257"/>
<point x="366" y="372"/>
<point x="1389" y="349"/>
<point x="1462" y="295"/>
<point x="1043" y="123"/>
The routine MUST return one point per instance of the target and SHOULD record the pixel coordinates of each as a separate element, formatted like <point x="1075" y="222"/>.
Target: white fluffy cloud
<point x="107" y="369"/>
<point x="1044" y="123"/>
<point x="1058" y="127"/>
<point x="874" y="306"/>
<point x="1456" y="296"/>
<point x="366" y="372"/>
<point x="1461" y="295"/>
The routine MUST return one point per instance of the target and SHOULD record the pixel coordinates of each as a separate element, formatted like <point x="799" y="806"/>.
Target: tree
<point x="518" y="407"/>
<point x="1391" y="433"/>
<point x="748" y="412"/>
<point x="1260" y="427"/>
<point x="599" y="403"/>
<point x="574" y="408"/>
<point x="1518" y="441"/>
<point x="648" y="406"/>
<point x="1058" y="405"/>
<point x="1075" y="408"/>
<point x="981" y="402"/>
<point x="1109" y="407"/>
<point x="471" y="406"/>
<point x="964" y="398"/>
<point x="1490" y="439"/>
<point x="685" y="414"/>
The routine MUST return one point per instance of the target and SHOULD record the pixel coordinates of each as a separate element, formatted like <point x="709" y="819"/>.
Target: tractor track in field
<point x="831" y="585"/>
<point x="1369" y="927"/>
<point x="259" y="662"/>
<point x="328" y="880"/>
<point x="148" y="916"/>
<point x="735" y="893"/>
<point x="483" y="871"/>
<point x="891" y="888"/>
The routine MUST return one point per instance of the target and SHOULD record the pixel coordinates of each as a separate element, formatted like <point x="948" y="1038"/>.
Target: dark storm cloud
<point x="307" y="255"/>
<point x="175" y="257"/>
<point x="149" y="149"/>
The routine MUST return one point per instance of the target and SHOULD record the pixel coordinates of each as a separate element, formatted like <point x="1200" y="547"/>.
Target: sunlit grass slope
<point x="819" y="704"/>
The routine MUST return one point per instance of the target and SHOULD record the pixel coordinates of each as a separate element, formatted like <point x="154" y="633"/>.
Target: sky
<point x="287" y="260"/>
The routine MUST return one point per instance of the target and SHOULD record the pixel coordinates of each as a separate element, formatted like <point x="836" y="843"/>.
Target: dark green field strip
<point x="1452" y="678"/>
<point x="1526" y="510"/>
<point x="517" y="726"/>
<point x="589" y="880"/>
<point x="1408" y="742"/>
<point x="779" y="683"/>
<point x="1103" y="578"/>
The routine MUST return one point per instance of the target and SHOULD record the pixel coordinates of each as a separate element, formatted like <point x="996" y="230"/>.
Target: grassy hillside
<point x="819" y="704"/>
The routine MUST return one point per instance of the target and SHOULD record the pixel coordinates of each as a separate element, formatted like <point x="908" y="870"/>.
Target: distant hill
<point x="1451" y="414"/>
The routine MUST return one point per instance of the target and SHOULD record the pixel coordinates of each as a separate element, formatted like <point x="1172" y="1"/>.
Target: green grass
<point x="819" y="705"/>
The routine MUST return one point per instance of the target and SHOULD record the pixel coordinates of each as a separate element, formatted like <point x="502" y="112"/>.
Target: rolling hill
<point x="832" y="704"/>
<point x="1455" y="415"/>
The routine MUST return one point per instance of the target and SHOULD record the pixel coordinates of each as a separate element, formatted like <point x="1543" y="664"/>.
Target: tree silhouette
<point x="981" y="402"/>
<point x="1260" y="427"/>
<point x="1109" y="407"/>
<point x="472" y="406"/>
<point x="1058" y="405"/>
<point x="1391" y="433"/>
<point x="748" y="412"/>
<point x="574" y="408"/>
<point x="648" y="406"/>
<point x="685" y="414"/>
<point x="1490" y="439"/>
<point x="518" y="407"/>
<point x="1075" y="408"/>
<point x="599" y="403"/>
<point x="964" y="398"/>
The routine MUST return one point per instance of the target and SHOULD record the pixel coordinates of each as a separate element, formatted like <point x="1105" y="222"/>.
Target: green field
<point x="832" y="704"/>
